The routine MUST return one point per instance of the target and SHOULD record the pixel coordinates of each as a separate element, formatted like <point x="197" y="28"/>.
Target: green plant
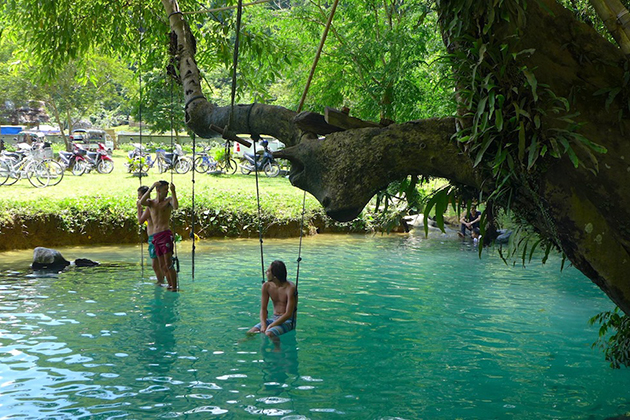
<point x="614" y="337"/>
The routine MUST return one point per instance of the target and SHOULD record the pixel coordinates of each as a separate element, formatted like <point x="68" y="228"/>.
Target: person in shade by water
<point x="282" y="294"/>
<point x="160" y="209"/>
<point x="470" y="221"/>
<point x="144" y="215"/>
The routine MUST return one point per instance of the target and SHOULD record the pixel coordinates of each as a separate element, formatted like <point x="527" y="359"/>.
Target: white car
<point x="90" y="139"/>
<point x="274" y="145"/>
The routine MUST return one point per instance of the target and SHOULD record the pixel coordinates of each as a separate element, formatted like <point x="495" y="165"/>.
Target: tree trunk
<point x="585" y="212"/>
<point x="59" y="123"/>
<point x="611" y="12"/>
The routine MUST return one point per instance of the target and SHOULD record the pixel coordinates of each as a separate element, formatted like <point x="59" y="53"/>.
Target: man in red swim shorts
<point x="160" y="209"/>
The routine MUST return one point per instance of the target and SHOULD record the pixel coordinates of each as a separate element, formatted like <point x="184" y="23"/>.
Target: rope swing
<point x="175" y="258"/>
<point x="239" y="8"/>
<point x="300" y="106"/>
<point x="239" y="14"/>
<point x="140" y="31"/>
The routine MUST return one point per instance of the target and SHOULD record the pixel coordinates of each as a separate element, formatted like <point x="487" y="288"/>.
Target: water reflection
<point x="280" y="360"/>
<point x="160" y="347"/>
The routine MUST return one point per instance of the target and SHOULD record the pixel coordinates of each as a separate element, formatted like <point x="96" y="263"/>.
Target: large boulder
<point x="48" y="259"/>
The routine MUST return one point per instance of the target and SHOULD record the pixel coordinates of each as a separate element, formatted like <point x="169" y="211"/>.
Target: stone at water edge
<point x="84" y="262"/>
<point x="46" y="258"/>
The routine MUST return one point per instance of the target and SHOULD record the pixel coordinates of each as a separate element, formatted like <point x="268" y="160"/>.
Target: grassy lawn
<point x="102" y="207"/>
<point x="119" y="188"/>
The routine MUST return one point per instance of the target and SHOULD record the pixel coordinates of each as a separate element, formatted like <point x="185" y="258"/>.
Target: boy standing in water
<point x="282" y="294"/>
<point x="160" y="209"/>
<point x="145" y="216"/>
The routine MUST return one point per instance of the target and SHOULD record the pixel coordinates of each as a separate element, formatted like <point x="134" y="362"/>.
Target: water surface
<point x="388" y="327"/>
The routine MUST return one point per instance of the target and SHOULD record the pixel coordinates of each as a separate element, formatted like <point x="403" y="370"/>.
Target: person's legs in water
<point x="163" y="242"/>
<point x="155" y="263"/>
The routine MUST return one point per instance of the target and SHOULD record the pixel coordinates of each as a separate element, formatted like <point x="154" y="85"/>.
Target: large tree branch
<point x="585" y="212"/>
<point x="344" y="170"/>
<point x="201" y="114"/>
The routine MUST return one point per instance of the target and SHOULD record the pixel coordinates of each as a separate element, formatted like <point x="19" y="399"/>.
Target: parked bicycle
<point x="204" y="163"/>
<point x="17" y="165"/>
<point x="43" y="152"/>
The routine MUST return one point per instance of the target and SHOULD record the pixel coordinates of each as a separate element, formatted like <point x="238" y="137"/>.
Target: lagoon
<point x="389" y="326"/>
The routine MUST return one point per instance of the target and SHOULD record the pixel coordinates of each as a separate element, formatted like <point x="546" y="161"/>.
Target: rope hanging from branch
<point x="317" y="55"/>
<point x="300" y="106"/>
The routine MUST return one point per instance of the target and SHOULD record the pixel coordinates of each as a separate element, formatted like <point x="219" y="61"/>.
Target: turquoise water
<point x="389" y="327"/>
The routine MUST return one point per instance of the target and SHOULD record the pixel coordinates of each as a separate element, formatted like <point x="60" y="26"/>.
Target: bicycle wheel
<point x="229" y="166"/>
<point x="13" y="173"/>
<point x="272" y="169"/>
<point x="201" y="164"/>
<point x="105" y="166"/>
<point x="37" y="174"/>
<point x="183" y="165"/>
<point x="5" y="170"/>
<point x="79" y="168"/>
<point x="56" y="171"/>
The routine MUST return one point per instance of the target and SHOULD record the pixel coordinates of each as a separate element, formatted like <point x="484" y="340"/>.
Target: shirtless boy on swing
<point x="160" y="209"/>
<point x="282" y="294"/>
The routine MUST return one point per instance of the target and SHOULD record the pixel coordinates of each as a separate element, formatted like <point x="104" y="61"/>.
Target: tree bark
<point x="585" y="212"/>
<point x="616" y="19"/>
<point x="59" y="123"/>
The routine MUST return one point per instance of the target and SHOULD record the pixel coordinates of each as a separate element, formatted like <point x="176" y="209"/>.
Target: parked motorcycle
<point x="75" y="161"/>
<point x="100" y="160"/>
<point x="139" y="159"/>
<point x="175" y="160"/>
<point x="265" y="163"/>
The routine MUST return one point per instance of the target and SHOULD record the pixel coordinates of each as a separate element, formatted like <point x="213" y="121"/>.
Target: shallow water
<point x="388" y="327"/>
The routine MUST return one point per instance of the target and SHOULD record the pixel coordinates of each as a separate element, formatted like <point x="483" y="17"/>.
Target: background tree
<point x="95" y="88"/>
<point x="539" y="132"/>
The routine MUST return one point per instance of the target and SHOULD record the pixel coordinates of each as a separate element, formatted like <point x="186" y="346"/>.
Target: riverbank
<point x="101" y="209"/>
<point x="24" y="230"/>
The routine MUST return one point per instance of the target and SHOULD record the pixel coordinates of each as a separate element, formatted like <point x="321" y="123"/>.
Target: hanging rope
<point x="239" y="14"/>
<point x="140" y="30"/>
<point x="260" y="230"/>
<point x="192" y="231"/>
<point x="299" y="259"/>
<point x="302" y="100"/>
<point x="317" y="55"/>
<point x="175" y="258"/>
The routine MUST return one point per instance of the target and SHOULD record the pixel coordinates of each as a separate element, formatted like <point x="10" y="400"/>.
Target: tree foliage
<point x="512" y="125"/>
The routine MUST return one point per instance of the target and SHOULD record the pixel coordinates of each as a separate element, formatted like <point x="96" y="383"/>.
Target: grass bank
<point x="100" y="209"/>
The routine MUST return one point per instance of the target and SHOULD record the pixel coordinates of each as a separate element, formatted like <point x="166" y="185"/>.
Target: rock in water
<point x="48" y="259"/>
<point x="84" y="262"/>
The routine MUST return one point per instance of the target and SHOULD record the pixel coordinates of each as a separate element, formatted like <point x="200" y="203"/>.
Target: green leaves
<point x="439" y="200"/>
<point x="614" y="337"/>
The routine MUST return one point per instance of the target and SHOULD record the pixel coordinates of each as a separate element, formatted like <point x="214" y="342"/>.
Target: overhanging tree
<point x="540" y="130"/>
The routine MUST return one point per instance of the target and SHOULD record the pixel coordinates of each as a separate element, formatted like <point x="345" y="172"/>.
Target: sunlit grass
<point x="119" y="188"/>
